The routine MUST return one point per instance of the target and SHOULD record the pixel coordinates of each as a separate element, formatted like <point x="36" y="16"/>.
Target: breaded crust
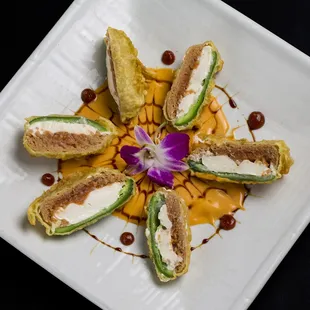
<point x="73" y="188"/>
<point x="63" y="145"/>
<point x="128" y="77"/>
<point x="181" y="82"/>
<point x="180" y="233"/>
<point x="270" y="151"/>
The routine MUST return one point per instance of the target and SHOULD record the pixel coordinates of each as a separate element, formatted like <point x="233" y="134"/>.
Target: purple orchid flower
<point x="158" y="159"/>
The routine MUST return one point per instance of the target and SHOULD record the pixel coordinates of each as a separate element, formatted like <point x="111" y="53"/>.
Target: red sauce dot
<point x="127" y="238"/>
<point x="118" y="250"/>
<point x="48" y="179"/>
<point x="256" y="120"/>
<point x="168" y="58"/>
<point x="232" y="103"/>
<point x="204" y="241"/>
<point x="227" y="222"/>
<point x="88" y="95"/>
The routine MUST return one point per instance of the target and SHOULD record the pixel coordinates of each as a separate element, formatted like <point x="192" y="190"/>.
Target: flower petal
<point x="128" y="153"/>
<point x="175" y="145"/>
<point x="134" y="169"/>
<point x="161" y="177"/>
<point x="142" y="137"/>
<point x="137" y="159"/>
<point x="175" y="165"/>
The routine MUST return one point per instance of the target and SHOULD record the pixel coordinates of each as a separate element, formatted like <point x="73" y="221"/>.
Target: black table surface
<point x="26" y="285"/>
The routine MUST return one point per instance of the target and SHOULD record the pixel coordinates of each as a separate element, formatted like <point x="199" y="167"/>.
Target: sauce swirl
<point x="232" y="103"/>
<point x="118" y="249"/>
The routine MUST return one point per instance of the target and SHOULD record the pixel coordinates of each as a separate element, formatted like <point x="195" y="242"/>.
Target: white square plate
<point x="266" y="73"/>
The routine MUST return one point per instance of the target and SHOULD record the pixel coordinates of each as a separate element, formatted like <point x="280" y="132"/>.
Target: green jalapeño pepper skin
<point x="273" y="154"/>
<point x="156" y="202"/>
<point x="70" y="119"/>
<point x="204" y="97"/>
<point x="66" y="145"/>
<point x="239" y="178"/>
<point x="124" y="195"/>
<point x="72" y="184"/>
<point x="188" y="120"/>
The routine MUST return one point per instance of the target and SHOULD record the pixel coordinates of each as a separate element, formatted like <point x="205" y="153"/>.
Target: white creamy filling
<point x="163" y="240"/>
<point x="222" y="163"/>
<point x="110" y="74"/>
<point x="95" y="202"/>
<point x="195" y="85"/>
<point x="54" y="126"/>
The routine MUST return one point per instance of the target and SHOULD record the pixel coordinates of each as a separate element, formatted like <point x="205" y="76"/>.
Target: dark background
<point x="26" y="285"/>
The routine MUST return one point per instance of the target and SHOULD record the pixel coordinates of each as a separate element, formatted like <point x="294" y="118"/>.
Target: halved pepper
<point x="80" y="200"/>
<point x="233" y="177"/>
<point x="240" y="161"/>
<point x="168" y="227"/>
<point x="191" y="90"/>
<point x="125" y="74"/>
<point x="67" y="136"/>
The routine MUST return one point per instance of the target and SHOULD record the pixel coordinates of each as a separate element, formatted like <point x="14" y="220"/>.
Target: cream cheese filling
<point x="222" y="163"/>
<point x="195" y="85"/>
<point x="55" y="126"/>
<point x="110" y="74"/>
<point x="96" y="201"/>
<point x="164" y="242"/>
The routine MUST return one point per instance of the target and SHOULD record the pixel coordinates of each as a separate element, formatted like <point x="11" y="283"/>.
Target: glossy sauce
<point x="205" y="240"/>
<point x="127" y="238"/>
<point x="88" y="95"/>
<point x="256" y="120"/>
<point x="118" y="249"/>
<point x="231" y="101"/>
<point x="48" y="179"/>
<point x="168" y="58"/>
<point x="227" y="222"/>
<point x="207" y="200"/>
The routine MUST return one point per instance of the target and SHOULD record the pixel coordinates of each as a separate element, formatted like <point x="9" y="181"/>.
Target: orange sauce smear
<point x="207" y="200"/>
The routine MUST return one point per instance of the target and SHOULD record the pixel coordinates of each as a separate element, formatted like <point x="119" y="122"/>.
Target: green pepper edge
<point x="193" y="111"/>
<point x="199" y="167"/>
<point x="69" y="119"/>
<point x="124" y="195"/>
<point x="156" y="202"/>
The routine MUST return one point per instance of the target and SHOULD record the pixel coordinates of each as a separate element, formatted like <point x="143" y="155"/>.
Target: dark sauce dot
<point x="227" y="222"/>
<point x="192" y="248"/>
<point x="48" y="179"/>
<point x="88" y="95"/>
<point x="232" y="103"/>
<point x="204" y="241"/>
<point x="118" y="250"/>
<point x="143" y="256"/>
<point x="256" y="120"/>
<point x="127" y="238"/>
<point x="168" y="58"/>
